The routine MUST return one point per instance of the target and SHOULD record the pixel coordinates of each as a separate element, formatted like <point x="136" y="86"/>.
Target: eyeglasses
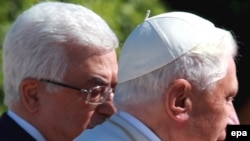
<point x="95" y="96"/>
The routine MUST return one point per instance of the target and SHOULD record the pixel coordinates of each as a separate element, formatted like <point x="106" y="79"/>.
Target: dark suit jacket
<point x="11" y="131"/>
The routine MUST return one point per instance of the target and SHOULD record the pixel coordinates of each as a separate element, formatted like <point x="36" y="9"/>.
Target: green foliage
<point x="122" y="16"/>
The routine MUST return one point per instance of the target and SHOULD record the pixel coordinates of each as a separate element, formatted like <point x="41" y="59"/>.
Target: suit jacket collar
<point x="10" y="130"/>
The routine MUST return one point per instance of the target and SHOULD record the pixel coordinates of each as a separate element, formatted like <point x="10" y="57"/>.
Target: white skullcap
<point x="159" y="40"/>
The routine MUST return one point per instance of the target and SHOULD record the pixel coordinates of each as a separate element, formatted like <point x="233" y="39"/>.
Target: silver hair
<point x="202" y="66"/>
<point x="35" y="44"/>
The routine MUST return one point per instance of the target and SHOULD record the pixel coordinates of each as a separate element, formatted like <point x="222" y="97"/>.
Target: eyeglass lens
<point x="99" y="94"/>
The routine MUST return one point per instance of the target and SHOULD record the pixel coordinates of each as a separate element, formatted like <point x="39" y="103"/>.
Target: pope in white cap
<point x="176" y="82"/>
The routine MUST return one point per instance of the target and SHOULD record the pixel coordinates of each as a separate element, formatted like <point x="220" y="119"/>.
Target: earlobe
<point x="178" y="101"/>
<point x="29" y="91"/>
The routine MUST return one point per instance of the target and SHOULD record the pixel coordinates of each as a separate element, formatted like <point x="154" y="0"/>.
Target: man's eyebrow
<point x="98" y="81"/>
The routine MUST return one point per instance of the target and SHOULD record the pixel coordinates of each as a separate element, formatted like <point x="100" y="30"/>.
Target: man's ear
<point x="29" y="91"/>
<point x="177" y="100"/>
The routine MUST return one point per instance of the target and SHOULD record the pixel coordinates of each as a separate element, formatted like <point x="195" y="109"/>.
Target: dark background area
<point x="233" y="15"/>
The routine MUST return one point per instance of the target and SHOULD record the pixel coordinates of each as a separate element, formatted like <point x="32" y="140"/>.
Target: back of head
<point x="35" y="46"/>
<point x="170" y="46"/>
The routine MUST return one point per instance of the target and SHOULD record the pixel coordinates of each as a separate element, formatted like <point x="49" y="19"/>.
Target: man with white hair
<point x="176" y="82"/>
<point x="60" y="69"/>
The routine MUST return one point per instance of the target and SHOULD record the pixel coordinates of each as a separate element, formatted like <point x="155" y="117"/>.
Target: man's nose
<point x="233" y="118"/>
<point x="107" y="108"/>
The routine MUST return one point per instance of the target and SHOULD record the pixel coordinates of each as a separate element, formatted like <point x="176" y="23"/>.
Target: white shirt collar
<point x="26" y="126"/>
<point x="139" y="126"/>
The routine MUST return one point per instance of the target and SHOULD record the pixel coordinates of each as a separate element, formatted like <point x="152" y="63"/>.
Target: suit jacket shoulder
<point x="11" y="131"/>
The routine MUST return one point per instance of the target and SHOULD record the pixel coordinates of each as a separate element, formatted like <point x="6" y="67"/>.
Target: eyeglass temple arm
<point x="61" y="84"/>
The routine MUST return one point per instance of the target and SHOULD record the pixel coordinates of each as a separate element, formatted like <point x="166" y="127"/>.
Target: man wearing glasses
<point x="60" y="70"/>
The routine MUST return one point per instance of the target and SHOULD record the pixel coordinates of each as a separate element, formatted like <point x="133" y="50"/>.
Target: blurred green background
<point x="124" y="15"/>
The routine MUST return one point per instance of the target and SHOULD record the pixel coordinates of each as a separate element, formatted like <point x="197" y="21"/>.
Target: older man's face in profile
<point x="212" y="111"/>
<point x="66" y="110"/>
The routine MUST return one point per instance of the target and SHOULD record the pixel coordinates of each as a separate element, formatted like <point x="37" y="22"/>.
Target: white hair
<point x="202" y="66"/>
<point x="35" y="44"/>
